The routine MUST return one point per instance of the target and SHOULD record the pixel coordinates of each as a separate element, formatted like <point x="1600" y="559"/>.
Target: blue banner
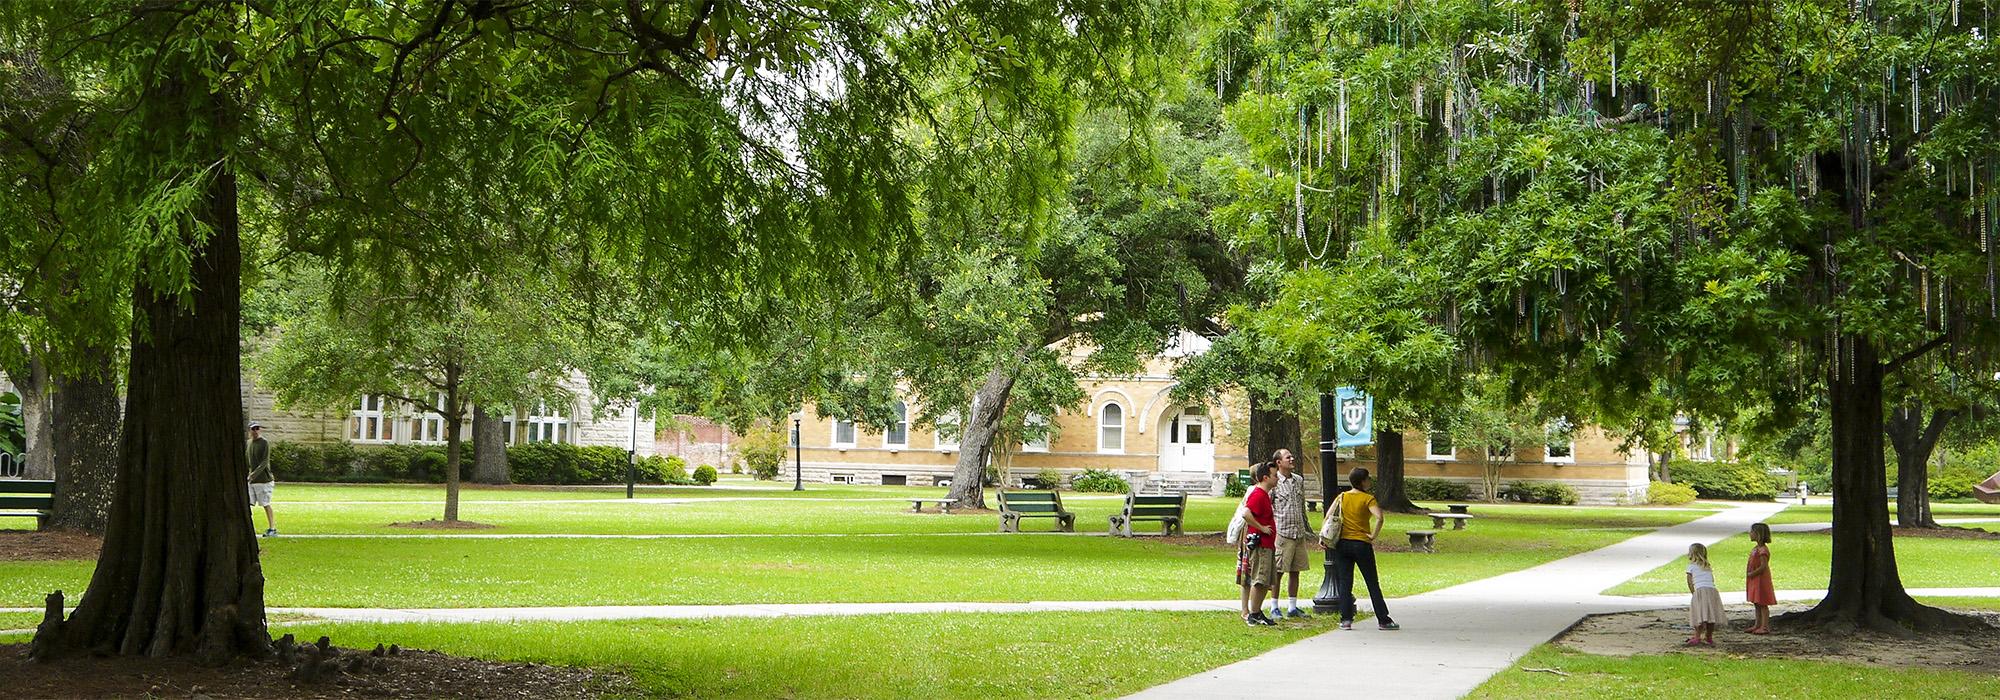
<point x="1354" y="424"/>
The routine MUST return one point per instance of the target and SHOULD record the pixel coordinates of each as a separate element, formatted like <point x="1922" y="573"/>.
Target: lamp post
<point x="1327" y="600"/>
<point x="798" y="457"/>
<point x="632" y="454"/>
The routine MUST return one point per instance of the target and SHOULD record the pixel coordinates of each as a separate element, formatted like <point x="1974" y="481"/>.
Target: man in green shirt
<point x="260" y="478"/>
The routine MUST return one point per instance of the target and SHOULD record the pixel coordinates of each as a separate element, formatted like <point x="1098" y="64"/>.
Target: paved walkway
<point x="1455" y="638"/>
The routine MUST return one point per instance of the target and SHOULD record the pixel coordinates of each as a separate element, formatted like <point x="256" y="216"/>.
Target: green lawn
<point x="485" y="572"/>
<point x="19" y="620"/>
<point x="1029" y="655"/>
<point x="1962" y="603"/>
<point x="1823" y="513"/>
<point x="1681" y="676"/>
<point x="1802" y="560"/>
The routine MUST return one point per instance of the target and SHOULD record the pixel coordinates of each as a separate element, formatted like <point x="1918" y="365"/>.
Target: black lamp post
<point x="798" y="457"/>
<point x="1327" y="600"/>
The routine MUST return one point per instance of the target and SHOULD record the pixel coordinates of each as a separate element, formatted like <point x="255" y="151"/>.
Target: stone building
<point x="377" y="420"/>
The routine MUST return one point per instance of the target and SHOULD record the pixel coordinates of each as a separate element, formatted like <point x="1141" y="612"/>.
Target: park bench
<point x="28" y="498"/>
<point x="943" y="504"/>
<point x="1015" y="505"/>
<point x="1459" y="508"/>
<point x="1423" y="540"/>
<point x="1165" y="509"/>
<point x="1458" y="520"/>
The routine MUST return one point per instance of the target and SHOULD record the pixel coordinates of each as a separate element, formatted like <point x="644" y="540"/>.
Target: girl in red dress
<point x="1757" y="586"/>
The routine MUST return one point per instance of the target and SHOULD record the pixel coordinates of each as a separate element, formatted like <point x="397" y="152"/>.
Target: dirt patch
<point x="1946" y="532"/>
<point x="28" y="545"/>
<point x="443" y="525"/>
<point x="411" y="674"/>
<point x="1663" y="631"/>
<point x="988" y="512"/>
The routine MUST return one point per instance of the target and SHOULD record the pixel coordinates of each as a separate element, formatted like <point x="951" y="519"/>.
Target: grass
<point x="1094" y="655"/>
<point x="1822" y="513"/>
<point x="484" y="572"/>
<point x="1710" y="676"/>
<point x="19" y="620"/>
<point x="1802" y="560"/>
<point x="1961" y="602"/>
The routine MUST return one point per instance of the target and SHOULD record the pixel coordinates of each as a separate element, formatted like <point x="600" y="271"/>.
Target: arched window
<point x="1111" y="428"/>
<point x="898" y="434"/>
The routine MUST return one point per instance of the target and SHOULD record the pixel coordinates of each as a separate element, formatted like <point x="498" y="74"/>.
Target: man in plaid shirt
<point x="1294" y="532"/>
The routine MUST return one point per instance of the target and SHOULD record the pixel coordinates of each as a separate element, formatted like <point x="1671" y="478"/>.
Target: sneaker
<point x="273" y="532"/>
<point x="1260" y="620"/>
<point x="1296" y="612"/>
<point x="1389" y="626"/>
<point x="1346" y="625"/>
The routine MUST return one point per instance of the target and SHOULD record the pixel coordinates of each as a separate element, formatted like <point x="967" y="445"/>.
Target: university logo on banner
<point x="1356" y="423"/>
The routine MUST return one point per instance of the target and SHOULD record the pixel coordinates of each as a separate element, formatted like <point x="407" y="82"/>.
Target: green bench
<point x="1015" y="505"/>
<point x="1165" y="509"/>
<point x="28" y="498"/>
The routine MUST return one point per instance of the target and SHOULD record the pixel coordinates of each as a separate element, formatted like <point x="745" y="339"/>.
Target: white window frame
<point x="834" y="435"/>
<point x="546" y="425"/>
<point x="840" y="479"/>
<point x="897" y="436"/>
<point x="1430" y="447"/>
<point x="1106" y="430"/>
<point x="370" y="408"/>
<point x="427" y="427"/>
<point x="953" y="423"/>
<point x="1549" y="449"/>
<point x="1038" y="445"/>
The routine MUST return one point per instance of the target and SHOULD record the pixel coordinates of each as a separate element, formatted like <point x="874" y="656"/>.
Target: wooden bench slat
<point x="30" y="502"/>
<point x="41" y="486"/>
<point x="1142" y="512"/>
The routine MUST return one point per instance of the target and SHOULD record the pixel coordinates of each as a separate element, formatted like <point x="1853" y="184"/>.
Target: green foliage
<point x="1234" y="487"/>
<point x="1099" y="481"/>
<point x="346" y="462"/>
<point x="1735" y="481"/>
<point x="13" y="432"/>
<point x="1541" y="492"/>
<point x="560" y="463"/>
<point x="1421" y="489"/>
<point x="704" y="475"/>
<point x="1048" y="479"/>
<point x="1661" y="493"/>
<point x="991" y="476"/>
<point x="675" y="471"/>
<point x="1956" y="482"/>
<point x="763" y="448"/>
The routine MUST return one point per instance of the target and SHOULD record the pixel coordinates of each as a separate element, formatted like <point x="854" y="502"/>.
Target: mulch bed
<point x="1661" y="632"/>
<point x="29" y="545"/>
<point x="411" y="674"/>
<point x="443" y="525"/>
<point x="1946" y="532"/>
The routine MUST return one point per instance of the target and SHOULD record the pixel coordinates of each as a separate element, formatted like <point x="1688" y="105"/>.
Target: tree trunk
<point x="1863" y="588"/>
<point x="454" y="416"/>
<point x="489" y="448"/>
<point x="968" y="481"/>
<point x="1666" y="469"/>
<point x="1914" y="441"/>
<point x="85" y="448"/>
<point x="1389" y="488"/>
<point x="179" y="572"/>
<point x="1272" y="430"/>
<point x="37" y="423"/>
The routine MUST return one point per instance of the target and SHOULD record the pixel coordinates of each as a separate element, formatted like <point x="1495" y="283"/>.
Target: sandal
<point x="1758" y="630"/>
<point x="1691" y="642"/>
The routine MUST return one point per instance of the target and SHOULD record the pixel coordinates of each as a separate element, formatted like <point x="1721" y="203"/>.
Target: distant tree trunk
<point x="1914" y="441"/>
<point x="968" y="480"/>
<point x="1271" y="430"/>
<point x="1390" y="490"/>
<point x="454" y="439"/>
<point x="1864" y="588"/>
<point x="179" y="573"/>
<point x="37" y="422"/>
<point x="489" y="448"/>
<point x="85" y="448"/>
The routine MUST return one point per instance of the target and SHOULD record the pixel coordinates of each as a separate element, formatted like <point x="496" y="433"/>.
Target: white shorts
<point x="260" y="494"/>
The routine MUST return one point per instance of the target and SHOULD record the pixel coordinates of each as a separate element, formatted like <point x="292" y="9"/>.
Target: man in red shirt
<point x="1259" y="570"/>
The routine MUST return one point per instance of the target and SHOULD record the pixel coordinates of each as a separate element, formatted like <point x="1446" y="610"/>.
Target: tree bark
<point x="1864" y="588"/>
<point x="37" y="423"/>
<point x="968" y="480"/>
<point x="1914" y="442"/>
<point x="1272" y="430"/>
<point x="85" y="450"/>
<point x="179" y="571"/>
<point x="454" y="415"/>
<point x="489" y="448"/>
<point x="1390" y="490"/>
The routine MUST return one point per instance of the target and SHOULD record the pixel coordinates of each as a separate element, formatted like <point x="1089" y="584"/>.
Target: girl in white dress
<point x="1705" y="610"/>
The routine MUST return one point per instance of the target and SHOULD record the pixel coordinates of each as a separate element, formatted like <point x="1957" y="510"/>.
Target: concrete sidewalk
<point x="1455" y="638"/>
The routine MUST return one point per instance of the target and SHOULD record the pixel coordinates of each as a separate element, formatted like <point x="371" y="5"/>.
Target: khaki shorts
<point x="1294" y="554"/>
<point x="260" y="494"/>
<point x="1258" y="568"/>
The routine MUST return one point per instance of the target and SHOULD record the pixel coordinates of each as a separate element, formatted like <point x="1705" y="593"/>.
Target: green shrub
<point x="676" y="471"/>
<point x="1436" y="490"/>
<point x="349" y="463"/>
<point x="1099" y="481"/>
<point x="1955" y="482"/>
<point x="1048" y="479"/>
<point x="1661" y="493"/>
<point x="735" y="467"/>
<point x="763" y="450"/>
<point x="1541" y="492"/>
<point x="557" y="463"/>
<point x="992" y="476"/>
<point x="1233" y="487"/>
<point x="1735" y="481"/>
<point x="291" y="461"/>
<point x="704" y="475"/>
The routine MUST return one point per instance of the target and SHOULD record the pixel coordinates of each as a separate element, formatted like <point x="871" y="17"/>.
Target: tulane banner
<point x="1356" y="424"/>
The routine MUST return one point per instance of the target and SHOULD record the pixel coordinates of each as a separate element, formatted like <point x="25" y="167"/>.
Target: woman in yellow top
<point x="1350" y="542"/>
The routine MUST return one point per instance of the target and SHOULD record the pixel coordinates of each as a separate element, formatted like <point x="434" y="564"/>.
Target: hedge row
<point x="531" y="463"/>
<point x="1735" y="481"/>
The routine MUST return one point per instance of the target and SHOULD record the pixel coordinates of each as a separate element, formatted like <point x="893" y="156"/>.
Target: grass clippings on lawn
<point x="30" y="545"/>
<point x="410" y="674"/>
<point x="1664" y="631"/>
<point x="443" y="525"/>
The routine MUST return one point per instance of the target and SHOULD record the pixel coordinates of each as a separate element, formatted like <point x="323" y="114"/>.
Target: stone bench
<point x="1459" y="508"/>
<point x="1458" y="520"/>
<point x="1423" y="540"/>
<point x="943" y="504"/>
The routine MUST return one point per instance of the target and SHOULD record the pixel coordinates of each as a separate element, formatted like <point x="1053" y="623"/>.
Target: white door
<point x="1190" y="442"/>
